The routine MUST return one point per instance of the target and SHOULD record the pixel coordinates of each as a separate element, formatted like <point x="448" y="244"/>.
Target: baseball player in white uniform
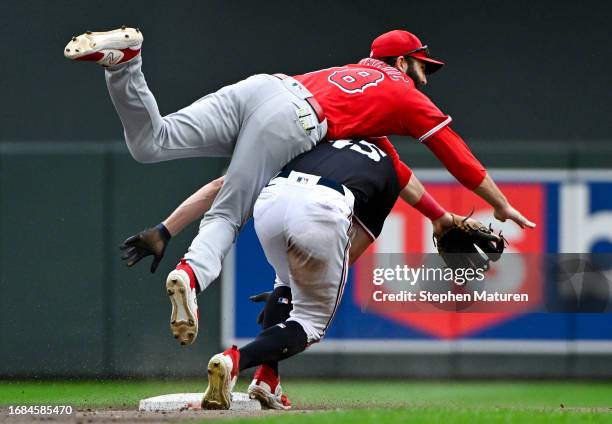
<point x="303" y="222"/>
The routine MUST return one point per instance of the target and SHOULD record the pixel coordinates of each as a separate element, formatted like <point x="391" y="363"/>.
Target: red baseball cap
<point x="403" y="43"/>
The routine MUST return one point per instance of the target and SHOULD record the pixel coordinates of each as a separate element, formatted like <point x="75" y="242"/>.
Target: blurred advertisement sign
<point x="561" y="265"/>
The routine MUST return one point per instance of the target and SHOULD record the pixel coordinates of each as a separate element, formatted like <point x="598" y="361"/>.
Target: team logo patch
<point x="356" y="80"/>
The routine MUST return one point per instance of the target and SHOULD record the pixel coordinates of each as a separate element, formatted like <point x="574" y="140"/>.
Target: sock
<point x="277" y="310"/>
<point x="184" y="265"/>
<point x="274" y="344"/>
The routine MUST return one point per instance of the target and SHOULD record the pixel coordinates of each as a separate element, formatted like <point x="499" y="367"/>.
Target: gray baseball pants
<point x="261" y="122"/>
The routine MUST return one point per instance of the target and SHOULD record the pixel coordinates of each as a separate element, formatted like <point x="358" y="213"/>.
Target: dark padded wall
<point x="68" y="306"/>
<point x="516" y="70"/>
<point x="522" y="77"/>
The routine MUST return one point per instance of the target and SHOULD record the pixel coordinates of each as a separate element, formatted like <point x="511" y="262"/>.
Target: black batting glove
<point x="261" y="297"/>
<point x="152" y="241"/>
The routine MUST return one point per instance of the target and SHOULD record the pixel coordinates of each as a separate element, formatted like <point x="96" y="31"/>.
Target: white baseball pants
<point x="261" y="122"/>
<point x="304" y="228"/>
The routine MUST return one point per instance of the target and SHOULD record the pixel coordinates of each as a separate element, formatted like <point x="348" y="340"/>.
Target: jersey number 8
<point x="355" y="80"/>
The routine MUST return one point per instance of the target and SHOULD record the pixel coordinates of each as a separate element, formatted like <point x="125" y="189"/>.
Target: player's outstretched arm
<point x="153" y="241"/>
<point x="489" y="191"/>
<point x="456" y="156"/>
<point x="194" y="207"/>
<point x="415" y="194"/>
<point x="456" y="235"/>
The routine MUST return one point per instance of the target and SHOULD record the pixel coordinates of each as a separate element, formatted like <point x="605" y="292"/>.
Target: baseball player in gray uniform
<point x="262" y="122"/>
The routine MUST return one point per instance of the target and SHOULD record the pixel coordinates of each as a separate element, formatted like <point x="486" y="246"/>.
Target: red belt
<point x="314" y="104"/>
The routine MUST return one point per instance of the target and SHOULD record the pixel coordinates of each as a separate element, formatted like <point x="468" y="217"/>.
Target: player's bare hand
<point x="449" y="220"/>
<point x="508" y="212"/>
<point x="443" y="224"/>
<point x="152" y="241"/>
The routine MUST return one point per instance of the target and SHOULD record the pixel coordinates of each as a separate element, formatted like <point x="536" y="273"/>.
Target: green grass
<point x="428" y="416"/>
<point x="90" y="394"/>
<point x="386" y="401"/>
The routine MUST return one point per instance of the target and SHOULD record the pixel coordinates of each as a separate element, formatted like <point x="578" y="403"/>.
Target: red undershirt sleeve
<point x="457" y="157"/>
<point x="403" y="171"/>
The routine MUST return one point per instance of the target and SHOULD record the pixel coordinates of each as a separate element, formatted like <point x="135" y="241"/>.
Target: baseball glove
<point x="459" y="245"/>
<point x="152" y="241"/>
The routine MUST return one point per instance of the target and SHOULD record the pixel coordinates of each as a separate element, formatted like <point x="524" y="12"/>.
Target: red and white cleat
<point x="181" y="288"/>
<point x="266" y="388"/>
<point x="222" y="375"/>
<point x="106" y="48"/>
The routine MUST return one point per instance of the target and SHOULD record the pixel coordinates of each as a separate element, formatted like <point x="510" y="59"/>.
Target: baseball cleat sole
<point x="107" y="47"/>
<point x="183" y="321"/>
<point x="265" y="398"/>
<point x="218" y="393"/>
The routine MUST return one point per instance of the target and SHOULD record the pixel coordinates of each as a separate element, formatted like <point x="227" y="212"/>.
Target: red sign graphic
<point x="409" y="232"/>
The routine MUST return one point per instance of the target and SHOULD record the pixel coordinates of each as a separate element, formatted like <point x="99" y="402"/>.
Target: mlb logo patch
<point x="283" y="300"/>
<point x="303" y="180"/>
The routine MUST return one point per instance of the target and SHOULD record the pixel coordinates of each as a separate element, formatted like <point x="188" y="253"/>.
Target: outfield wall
<point x="70" y="308"/>
<point x="506" y="73"/>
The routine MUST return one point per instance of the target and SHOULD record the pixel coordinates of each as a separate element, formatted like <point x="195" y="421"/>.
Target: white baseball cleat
<point x="106" y="48"/>
<point x="266" y="388"/>
<point x="222" y="375"/>
<point x="181" y="288"/>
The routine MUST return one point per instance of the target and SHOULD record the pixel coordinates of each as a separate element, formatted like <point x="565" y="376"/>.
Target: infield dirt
<point x="113" y="415"/>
